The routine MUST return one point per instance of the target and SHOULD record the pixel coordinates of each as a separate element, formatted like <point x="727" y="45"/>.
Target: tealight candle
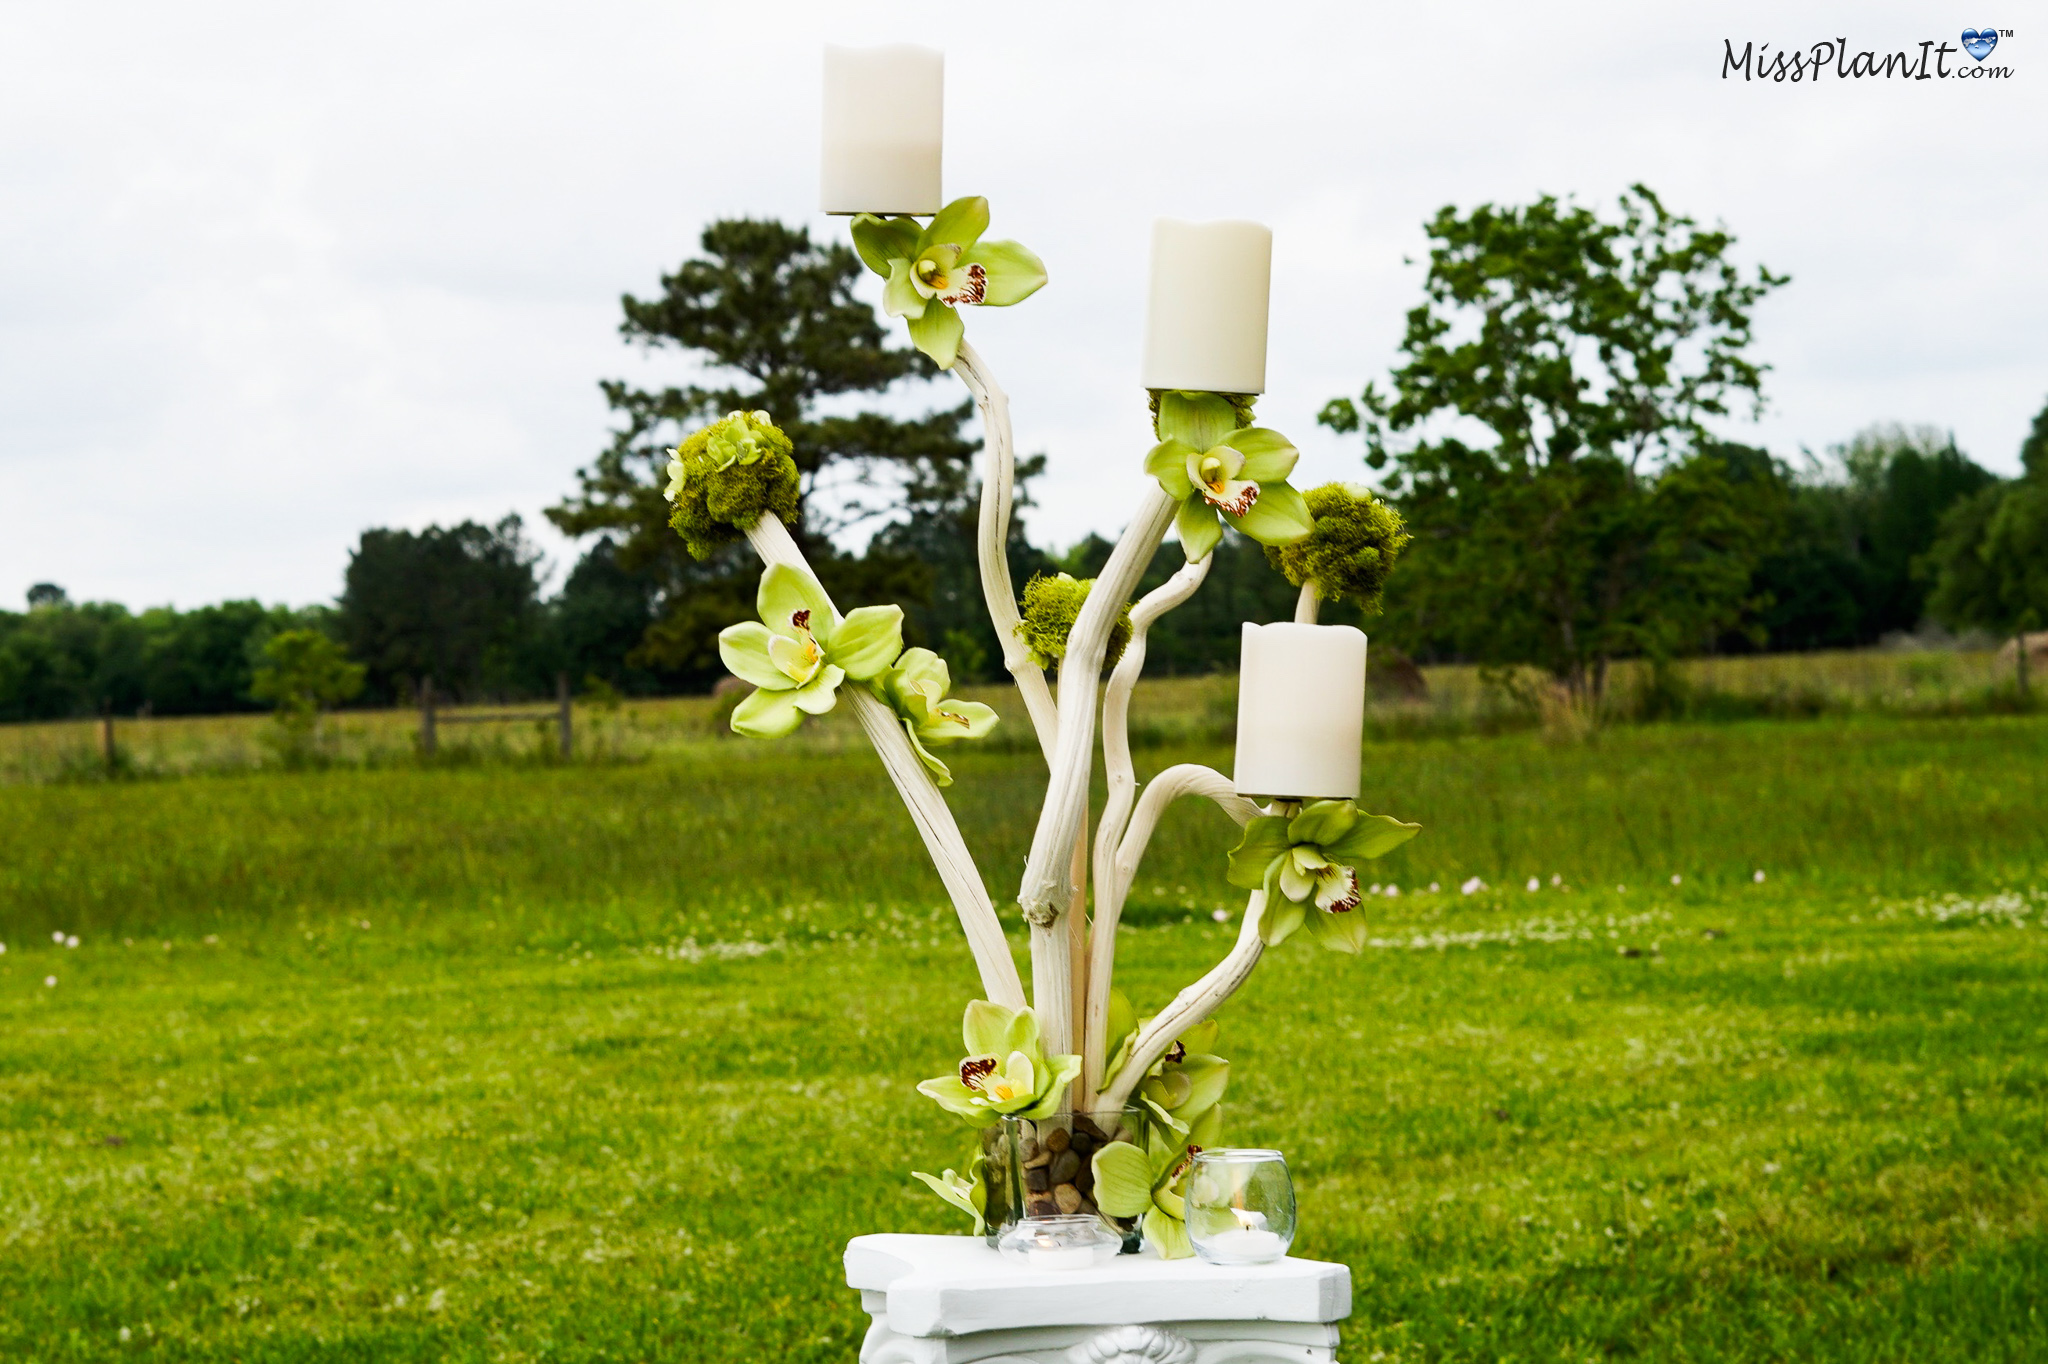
<point x="1206" y="327"/>
<point x="1050" y="1254"/>
<point x="885" y="111"/>
<point x="1300" y="711"/>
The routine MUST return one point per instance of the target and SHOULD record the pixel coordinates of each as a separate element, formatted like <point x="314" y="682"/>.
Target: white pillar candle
<point x="1300" y="711"/>
<point x="1206" y="327"/>
<point x="885" y="111"/>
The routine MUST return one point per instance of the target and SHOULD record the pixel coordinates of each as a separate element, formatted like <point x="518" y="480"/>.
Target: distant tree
<point x="1990" y="561"/>
<point x="458" y="605"/>
<point x="302" y="674"/>
<point x="599" y="619"/>
<point x="1596" y="520"/>
<point x="772" y="317"/>
<point x="47" y="595"/>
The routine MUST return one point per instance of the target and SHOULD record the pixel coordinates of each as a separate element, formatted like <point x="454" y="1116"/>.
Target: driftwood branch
<point x="1190" y="1006"/>
<point x="998" y="487"/>
<point x="928" y="809"/>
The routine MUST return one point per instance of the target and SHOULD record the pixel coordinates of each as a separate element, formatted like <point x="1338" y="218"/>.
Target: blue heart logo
<point x="1979" y="42"/>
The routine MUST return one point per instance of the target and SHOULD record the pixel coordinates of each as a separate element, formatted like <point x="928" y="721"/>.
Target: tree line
<point x="1547" y="433"/>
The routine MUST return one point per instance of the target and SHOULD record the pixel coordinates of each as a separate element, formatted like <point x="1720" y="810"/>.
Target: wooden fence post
<point x="564" y="723"/>
<point x="427" y="717"/>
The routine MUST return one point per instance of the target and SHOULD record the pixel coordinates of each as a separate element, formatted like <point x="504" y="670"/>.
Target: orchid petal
<point x="1014" y="274"/>
<point x="1269" y="456"/>
<point x="1279" y="517"/>
<point x="791" y="602"/>
<point x="1264" y="840"/>
<point x="743" y="648"/>
<point x="1123" y="1180"/>
<point x="937" y="333"/>
<point x="1279" y="919"/>
<point x="1168" y="1236"/>
<point x="942" y="775"/>
<point x="985" y="1028"/>
<point x="1323" y="822"/>
<point x="900" y="296"/>
<point x="882" y="240"/>
<point x="1200" y="419"/>
<point x="1294" y="883"/>
<point x="1373" y="836"/>
<point x="1198" y="527"/>
<point x="958" y="225"/>
<point x="1169" y="462"/>
<point x="868" y="640"/>
<point x="821" y="693"/>
<point x="766" y="715"/>
<point x="955" y="1097"/>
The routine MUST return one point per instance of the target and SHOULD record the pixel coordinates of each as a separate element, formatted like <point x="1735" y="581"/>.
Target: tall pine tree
<point x="771" y="317"/>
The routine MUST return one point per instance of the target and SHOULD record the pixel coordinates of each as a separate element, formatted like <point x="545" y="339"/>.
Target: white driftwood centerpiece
<point x="1083" y="1105"/>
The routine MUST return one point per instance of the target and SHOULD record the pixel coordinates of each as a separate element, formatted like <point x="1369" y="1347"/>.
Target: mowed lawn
<point x="607" y="1062"/>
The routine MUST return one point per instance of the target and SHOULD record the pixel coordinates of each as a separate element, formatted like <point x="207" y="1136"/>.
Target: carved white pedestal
<point x="952" y="1300"/>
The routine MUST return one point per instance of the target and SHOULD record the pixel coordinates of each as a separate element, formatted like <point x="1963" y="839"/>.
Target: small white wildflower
<point x="3" y="949"/>
<point x="1375" y="889"/>
<point x="126" y="1334"/>
<point x="1434" y="887"/>
<point x="1758" y="877"/>
<point x="50" y="981"/>
<point x="1770" y="1167"/>
<point x="1621" y="890"/>
<point x="1472" y="887"/>
<point x="1676" y="878"/>
<point x="1556" y="880"/>
<point x="1535" y="884"/>
<point x="1221" y="916"/>
<point x="58" y="937"/>
<point x="71" y="941"/>
<point x="1392" y="891"/>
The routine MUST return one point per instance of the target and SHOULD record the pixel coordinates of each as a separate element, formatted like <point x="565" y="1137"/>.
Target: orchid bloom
<point x="800" y="650"/>
<point x="915" y="689"/>
<point x="1311" y="859"/>
<point x="1216" y="469"/>
<point x="1006" y="1070"/>
<point x="934" y="270"/>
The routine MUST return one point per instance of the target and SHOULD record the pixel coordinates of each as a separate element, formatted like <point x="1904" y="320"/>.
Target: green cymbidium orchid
<point x="1311" y="859"/>
<point x="1184" y="1088"/>
<point x="800" y="650"/>
<point x="1181" y="1101"/>
<point x="1005" y="1072"/>
<point x="1149" y="1179"/>
<point x="962" y="1191"/>
<point x="1221" y="473"/>
<point x="915" y="689"/>
<point x="934" y="270"/>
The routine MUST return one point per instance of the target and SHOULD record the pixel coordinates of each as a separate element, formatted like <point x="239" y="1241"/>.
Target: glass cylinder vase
<point x="1044" y="1167"/>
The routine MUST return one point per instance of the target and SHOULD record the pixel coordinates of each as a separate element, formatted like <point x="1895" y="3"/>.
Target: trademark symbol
<point x="2005" y="33"/>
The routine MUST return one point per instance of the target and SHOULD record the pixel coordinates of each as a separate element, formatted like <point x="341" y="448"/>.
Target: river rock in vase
<point x="1045" y="1167"/>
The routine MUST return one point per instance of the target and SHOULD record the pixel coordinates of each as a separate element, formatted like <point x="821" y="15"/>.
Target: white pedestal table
<point x="952" y="1300"/>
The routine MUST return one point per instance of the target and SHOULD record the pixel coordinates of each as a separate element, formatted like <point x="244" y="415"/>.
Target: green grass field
<point x="527" y="1062"/>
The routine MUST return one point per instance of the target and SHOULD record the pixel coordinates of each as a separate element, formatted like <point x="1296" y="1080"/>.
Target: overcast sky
<point x="272" y="274"/>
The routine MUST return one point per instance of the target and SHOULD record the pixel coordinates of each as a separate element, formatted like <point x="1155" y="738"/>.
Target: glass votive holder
<point x="1240" y="1206"/>
<point x="1080" y="1241"/>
